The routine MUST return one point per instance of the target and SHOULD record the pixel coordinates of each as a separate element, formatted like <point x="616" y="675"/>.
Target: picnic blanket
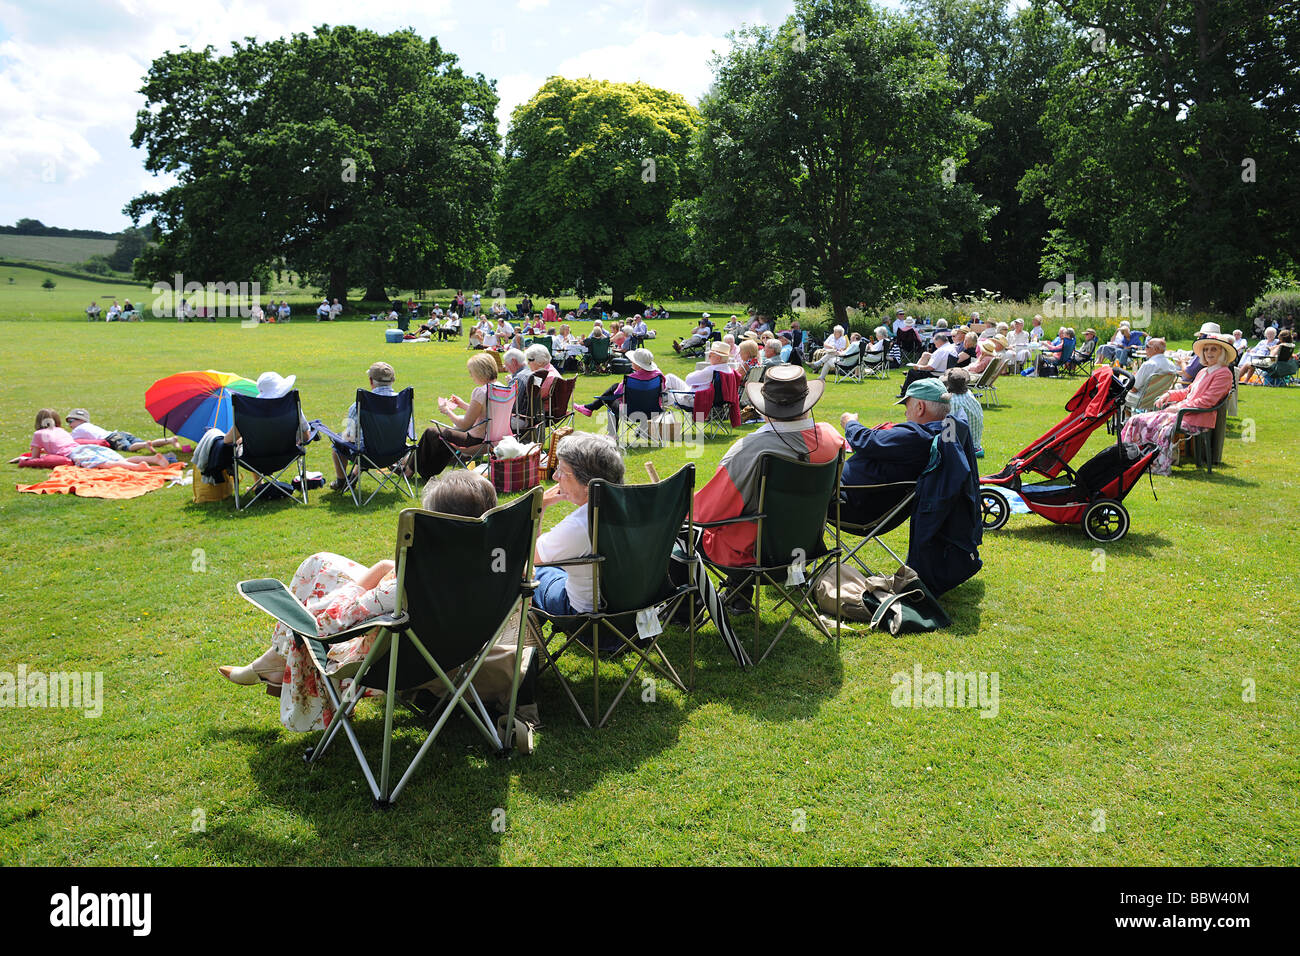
<point x="104" y="482"/>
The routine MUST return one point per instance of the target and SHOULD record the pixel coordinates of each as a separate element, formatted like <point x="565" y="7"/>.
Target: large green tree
<point x="593" y="173"/>
<point x="1001" y="61"/>
<point x="1174" y="127"/>
<point x="830" y="160"/>
<point x="350" y="157"/>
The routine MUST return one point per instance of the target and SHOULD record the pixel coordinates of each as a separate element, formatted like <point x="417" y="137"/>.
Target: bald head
<point x="1155" y="346"/>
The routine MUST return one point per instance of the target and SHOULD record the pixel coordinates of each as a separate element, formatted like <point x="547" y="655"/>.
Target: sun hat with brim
<point x="925" y="390"/>
<point x="1199" y="346"/>
<point x="909" y="322"/>
<point x="785" y="394"/>
<point x="77" y="415"/>
<point x="990" y="345"/>
<point x="273" y="385"/>
<point x="644" y="360"/>
<point x="1209" y="328"/>
<point x="721" y="348"/>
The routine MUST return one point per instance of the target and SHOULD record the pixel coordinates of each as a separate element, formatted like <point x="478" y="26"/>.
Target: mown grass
<point x="1121" y="682"/>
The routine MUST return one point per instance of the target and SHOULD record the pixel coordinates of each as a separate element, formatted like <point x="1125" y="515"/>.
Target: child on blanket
<point x="50" y="438"/>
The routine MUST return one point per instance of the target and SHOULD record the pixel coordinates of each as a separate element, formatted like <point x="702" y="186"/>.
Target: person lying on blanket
<point x="50" y="438"/>
<point x="80" y="426"/>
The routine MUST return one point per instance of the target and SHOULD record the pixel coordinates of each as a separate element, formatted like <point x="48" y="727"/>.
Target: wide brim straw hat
<point x="1223" y="341"/>
<point x="644" y="359"/>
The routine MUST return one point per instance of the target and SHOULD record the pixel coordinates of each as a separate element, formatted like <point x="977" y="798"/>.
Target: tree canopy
<point x="593" y="172"/>
<point x="351" y="157"/>
<point x="829" y="157"/>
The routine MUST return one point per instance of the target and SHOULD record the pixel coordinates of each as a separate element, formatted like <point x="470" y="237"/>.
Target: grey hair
<point x="881" y="331"/>
<point x="514" y="354"/>
<point x="536" y="353"/>
<point x="591" y="456"/>
<point x="935" y="409"/>
<point x="772" y="345"/>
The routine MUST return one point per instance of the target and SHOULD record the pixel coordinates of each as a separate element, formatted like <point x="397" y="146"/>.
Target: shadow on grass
<point x="1139" y="544"/>
<point x="446" y="813"/>
<point x="1221" y="476"/>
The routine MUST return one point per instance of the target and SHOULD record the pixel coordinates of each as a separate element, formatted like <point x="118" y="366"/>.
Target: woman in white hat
<point x="274" y="385"/>
<point x="1209" y="388"/>
<point x="643" y="369"/>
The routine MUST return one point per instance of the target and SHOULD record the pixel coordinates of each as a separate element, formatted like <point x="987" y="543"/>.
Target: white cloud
<point x="529" y="5"/>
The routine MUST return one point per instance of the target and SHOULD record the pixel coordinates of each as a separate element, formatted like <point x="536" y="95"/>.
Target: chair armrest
<point x="585" y="559"/>
<point x="389" y="621"/>
<point x="740" y="519"/>
<point x="278" y="601"/>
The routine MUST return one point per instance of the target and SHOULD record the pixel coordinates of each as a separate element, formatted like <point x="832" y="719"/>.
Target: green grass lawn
<point x="1121" y="674"/>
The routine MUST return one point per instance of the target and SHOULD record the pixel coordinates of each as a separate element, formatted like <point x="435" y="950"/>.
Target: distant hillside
<point x="54" y="248"/>
<point x="34" y="227"/>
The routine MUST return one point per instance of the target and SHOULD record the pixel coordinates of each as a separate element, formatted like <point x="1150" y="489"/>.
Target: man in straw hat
<point x="785" y="399"/>
<point x="718" y="358"/>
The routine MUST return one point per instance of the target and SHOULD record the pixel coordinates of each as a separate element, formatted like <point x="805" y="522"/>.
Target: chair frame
<point x="628" y="426"/>
<point x="594" y="620"/>
<point x="1202" y="442"/>
<point x="385" y="476"/>
<point x="984" y="384"/>
<point x="871" y="531"/>
<point x="855" y="371"/>
<point x="460" y="454"/>
<point x="394" y="628"/>
<point x="268" y="480"/>
<point x="759" y="574"/>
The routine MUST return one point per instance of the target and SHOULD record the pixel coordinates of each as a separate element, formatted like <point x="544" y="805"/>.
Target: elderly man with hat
<point x="891" y="452"/>
<point x="1117" y="349"/>
<point x="785" y="398"/>
<point x="381" y="377"/>
<point x="718" y="358"/>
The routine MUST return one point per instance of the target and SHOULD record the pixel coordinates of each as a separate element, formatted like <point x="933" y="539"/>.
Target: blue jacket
<point x="943" y="546"/>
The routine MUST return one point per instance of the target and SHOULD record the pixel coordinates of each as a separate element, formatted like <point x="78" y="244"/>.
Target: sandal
<point x="338" y="484"/>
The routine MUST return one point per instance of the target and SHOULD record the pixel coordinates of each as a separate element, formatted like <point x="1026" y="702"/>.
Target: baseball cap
<point x="927" y="390"/>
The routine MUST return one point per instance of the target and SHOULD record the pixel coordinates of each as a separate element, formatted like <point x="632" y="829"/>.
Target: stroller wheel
<point x="994" y="510"/>
<point x="1105" y="520"/>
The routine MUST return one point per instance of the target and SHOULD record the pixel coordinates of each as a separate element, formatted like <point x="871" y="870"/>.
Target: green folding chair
<point x="633" y="530"/>
<point x="794" y="499"/>
<point x="597" y="355"/>
<point x="434" y="629"/>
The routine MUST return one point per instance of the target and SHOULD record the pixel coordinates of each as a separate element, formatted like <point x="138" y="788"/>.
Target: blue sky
<point x="70" y="71"/>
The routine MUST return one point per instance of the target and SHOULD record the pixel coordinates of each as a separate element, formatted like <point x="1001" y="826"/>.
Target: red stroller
<point x="1091" y="496"/>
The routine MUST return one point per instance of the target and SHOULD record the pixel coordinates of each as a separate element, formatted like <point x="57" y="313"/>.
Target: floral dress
<point x="327" y="586"/>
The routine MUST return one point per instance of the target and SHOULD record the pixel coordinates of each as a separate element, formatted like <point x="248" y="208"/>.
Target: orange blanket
<point x="104" y="482"/>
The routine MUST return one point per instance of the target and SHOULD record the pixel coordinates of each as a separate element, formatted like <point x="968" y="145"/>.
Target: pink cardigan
<point x="1209" y="388"/>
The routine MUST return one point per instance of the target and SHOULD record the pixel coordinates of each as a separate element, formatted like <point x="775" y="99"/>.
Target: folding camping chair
<point x="794" y="499"/>
<point x="543" y="415"/>
<point x="875" y="364"/>
<point x="385" y="432"/>
<point x="268" y="443"/>
<point x="640" y="405"/>
<point x="438" y="630"/>
<point x="910" y="346"/>
<point x="596" y="357"/>
<point x="715" y="421"/>
<point x="1082" y="358"/>
<point x="984" y="385"/>
<point x="849" y="365"/>
<point x="500" y="424"/>
<point x="886" y="519"/>
<point x="633" y="531"/>
<point x="1203" y="445"/>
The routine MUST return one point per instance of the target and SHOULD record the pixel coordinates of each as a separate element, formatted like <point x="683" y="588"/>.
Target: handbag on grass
<point x="897" y="603"/>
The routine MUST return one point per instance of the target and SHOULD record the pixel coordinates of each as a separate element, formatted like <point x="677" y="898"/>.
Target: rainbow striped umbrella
<point x="189" y="403"/>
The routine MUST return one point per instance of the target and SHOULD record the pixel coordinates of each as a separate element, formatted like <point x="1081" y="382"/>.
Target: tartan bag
<point x="518" y="474"/>
<point x="548" y="467"/>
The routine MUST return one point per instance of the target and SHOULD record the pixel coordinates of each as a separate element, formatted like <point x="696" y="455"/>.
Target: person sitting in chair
<point x="1208" y="390"/>
<point x="785" y="399"/>
<point x="1157" y="362"/>
<point x="467" y="431"/>
<point x="273" y="385"/>
<point x="643" y="368"/>
<point x="340" y="593"/>
<point x="890" y="452"/>
<point x="702" y="333"/>
<point x="718" y="358"/>
<point x="381" y="377"/>
<point x="581" y="458"/>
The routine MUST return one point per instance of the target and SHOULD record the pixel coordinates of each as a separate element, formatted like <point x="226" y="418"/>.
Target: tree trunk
<point x="616" y="299"/>
<point x="338" y="284"/>
<point x="375" y="291"/>
<point x="840" y="309"/>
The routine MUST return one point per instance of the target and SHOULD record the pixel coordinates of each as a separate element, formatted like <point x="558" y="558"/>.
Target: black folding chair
<point x="633" y="531"/>
<point x="386" y="426"/>
<point x="269" y="430"/>
<point x="895" y="500"/>
<point x="541" y="416"/>
<point x="433" y="631"/>
<point x="639" y="405"/>
<point x="793" y="501"/>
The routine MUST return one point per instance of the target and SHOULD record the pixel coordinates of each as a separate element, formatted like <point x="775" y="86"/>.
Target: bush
<point x="47" y="284"/>
<point x="97" y="265"/>
<point x="499" y="277"/>
<point x="1274" y="307"/>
